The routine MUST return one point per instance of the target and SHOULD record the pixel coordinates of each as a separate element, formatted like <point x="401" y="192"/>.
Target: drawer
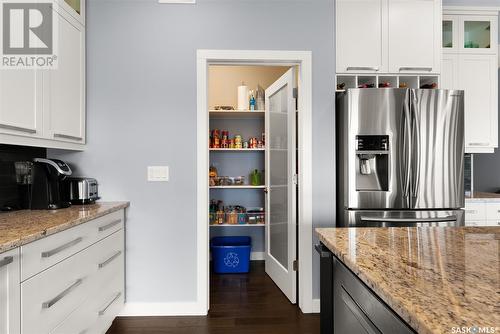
<point x="358" y="310"/>
<point x="475" y="211"/>
<point x="102" y="227"/>
<point x="44" y="253"/>
<point x="108" y="260"/>
<point x="493" y="211"/>
<point x="49" y="297"/>
<point x="79" y="321"/>
<point x="108" y="305"/>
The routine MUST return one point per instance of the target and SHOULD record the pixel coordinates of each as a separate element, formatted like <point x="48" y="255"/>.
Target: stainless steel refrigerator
<point x="400" y="157"/>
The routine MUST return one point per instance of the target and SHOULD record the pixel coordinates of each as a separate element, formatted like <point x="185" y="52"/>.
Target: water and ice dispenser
<point x="372" y="163"/>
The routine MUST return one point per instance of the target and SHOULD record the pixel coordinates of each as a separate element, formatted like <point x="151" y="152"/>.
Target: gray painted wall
<point x="486" y="166"/>
<point x="141" y="110"/>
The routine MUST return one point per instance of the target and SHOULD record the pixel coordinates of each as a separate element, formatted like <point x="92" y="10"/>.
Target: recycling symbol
<point x="231" y="260"/>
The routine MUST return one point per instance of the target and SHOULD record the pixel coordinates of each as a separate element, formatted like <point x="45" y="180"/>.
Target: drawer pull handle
<point x="84" y="331"/>
<point x="17" y="128"/>
<point x="105" y="263"/>
<point x="471" y="211"/>
<point x="426" y="69"/>
<point x="6" y="260"/>
<point x="479" y="144"/>
<point x="103" y="311"/>
<point x="362" y="68"/>
<point x="61" y="135"/>
<point x="110" y="225"/>
<point x="53" y="301"/>
<point x="61" y="248"/>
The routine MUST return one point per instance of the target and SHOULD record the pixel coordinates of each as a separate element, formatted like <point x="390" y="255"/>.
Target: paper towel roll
<point x="242" y="97"/>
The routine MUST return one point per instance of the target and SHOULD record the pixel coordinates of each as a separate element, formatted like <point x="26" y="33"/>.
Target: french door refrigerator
<point x="400" y="157"/>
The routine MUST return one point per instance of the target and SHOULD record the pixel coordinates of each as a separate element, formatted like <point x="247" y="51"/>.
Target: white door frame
<point x="302" y="59"/>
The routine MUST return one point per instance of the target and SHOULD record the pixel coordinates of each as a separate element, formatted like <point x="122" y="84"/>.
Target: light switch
<point x="158" y="173"/>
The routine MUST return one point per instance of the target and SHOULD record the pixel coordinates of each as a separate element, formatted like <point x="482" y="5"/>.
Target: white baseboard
<point x="257" y="256"/>
<point x="162" y="309"/>
<point x="316" y="306"/>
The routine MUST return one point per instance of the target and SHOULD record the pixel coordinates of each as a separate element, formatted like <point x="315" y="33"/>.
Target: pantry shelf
<point x="238" y="187"/>
<point x="237" y="225"/>
<point x="236" y="149"/>
<point x="237" y="114"/>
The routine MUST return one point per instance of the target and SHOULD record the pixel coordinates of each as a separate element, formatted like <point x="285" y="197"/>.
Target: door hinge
<point x="295" y="265"/>
<point x="295" y="179"/>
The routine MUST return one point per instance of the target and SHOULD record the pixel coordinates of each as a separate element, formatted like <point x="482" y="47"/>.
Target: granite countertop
<point x="483" y="196"/>
<point x="435" y="278"/>
<point x="22" y="227"/>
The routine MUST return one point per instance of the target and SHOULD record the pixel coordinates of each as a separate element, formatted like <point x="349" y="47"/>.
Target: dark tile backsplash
<point x="10" y="192"/>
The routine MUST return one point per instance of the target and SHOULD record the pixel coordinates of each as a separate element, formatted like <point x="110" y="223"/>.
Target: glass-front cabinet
<point x="470" y="34"/>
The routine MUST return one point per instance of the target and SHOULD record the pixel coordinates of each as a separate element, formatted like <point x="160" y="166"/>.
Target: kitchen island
<point x="404" y="280"/>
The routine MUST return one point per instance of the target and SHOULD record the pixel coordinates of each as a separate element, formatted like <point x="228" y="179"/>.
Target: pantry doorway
<point x="257" y="147"/>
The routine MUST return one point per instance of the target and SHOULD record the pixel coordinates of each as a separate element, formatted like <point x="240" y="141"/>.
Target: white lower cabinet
<point x="482" y="213"/>
<point x="84" y="290"/>
<point x="10" y="300"/>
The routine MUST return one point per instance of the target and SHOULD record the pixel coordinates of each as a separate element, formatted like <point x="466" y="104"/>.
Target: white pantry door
<point x="281" y="189"/>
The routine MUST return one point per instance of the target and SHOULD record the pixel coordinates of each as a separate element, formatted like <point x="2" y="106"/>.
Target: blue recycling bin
<point x="231" y="254"/>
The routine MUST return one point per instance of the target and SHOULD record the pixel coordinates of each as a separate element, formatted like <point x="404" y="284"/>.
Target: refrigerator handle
<point x="407" y="149"/>
<point x="415" y="135"/>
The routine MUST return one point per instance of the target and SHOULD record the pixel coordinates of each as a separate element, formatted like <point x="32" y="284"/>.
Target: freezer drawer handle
<point x="105" y="263"/>
<point x="110" y="225"/>
<point x="359" y="313"/>
<point x="363" y="68"/>
<point x="472" y="211"/>
<point x="426" y="69"/>
<point x="103" y="311"/>
<point x="61" y="248"/>
<point x="53" y="301"/>
<point x="417" y="220"/>
<point x="6" y="260"/>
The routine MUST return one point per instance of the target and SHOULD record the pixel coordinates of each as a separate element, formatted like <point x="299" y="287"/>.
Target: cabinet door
<point x="361" y="27"/>
<point x="449" y="71"/>
<point x="478" y="34"/>
<point x="478" y="77"/>
<point x="20" y="102"/>
<point x="10" y="297"/>
<point x="414" y="36"/>
<point x="65" y="93"/>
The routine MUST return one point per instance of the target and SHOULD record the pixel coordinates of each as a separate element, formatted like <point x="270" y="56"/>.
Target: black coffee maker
<point x="46" y="184"/>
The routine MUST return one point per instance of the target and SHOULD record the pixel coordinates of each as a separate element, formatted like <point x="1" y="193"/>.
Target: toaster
<point x="81" y="190"/>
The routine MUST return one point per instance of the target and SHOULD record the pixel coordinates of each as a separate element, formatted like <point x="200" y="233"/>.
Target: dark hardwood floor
<point x="239" y="304"/>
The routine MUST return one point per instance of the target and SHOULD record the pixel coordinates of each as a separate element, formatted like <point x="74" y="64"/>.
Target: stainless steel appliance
<point x="46" y="189"/>
<point x="81" y="190"/>
<point x="400" y="157"/>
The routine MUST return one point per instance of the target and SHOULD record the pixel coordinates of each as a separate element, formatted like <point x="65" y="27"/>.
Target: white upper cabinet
<point x="414" y="36"/>
<point x="361" y="39"/>
<point x="65" y="96"/>
<point x="21" y="102"/>
<point x="478" y="77"/>
<point x="470" y="63"/>
<point x="46" y="108"/>
<point x="388" y="36"/>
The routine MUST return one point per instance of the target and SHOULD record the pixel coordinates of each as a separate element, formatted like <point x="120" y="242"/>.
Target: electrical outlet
<point x="158" y="173"/>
